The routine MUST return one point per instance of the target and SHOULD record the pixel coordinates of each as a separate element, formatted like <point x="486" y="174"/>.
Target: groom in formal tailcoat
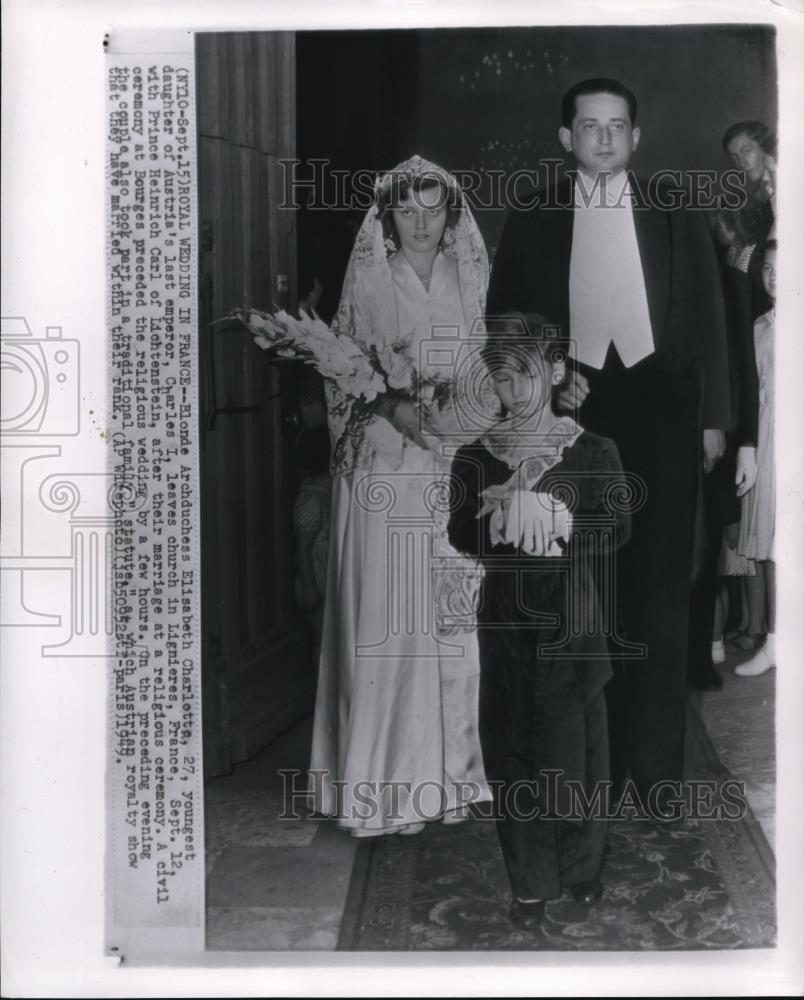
<point x="630" y="276"/>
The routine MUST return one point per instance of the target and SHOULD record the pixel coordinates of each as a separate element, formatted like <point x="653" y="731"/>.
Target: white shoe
<point x="718" y="651"/>
<point x="410" y="829"/>
<point x="379" y="831"/>
<point x="760" y="663"/>
<point x="453" y="816"/>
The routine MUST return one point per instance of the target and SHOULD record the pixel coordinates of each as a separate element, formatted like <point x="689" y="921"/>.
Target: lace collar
<point x="529" y="452"/>
<point x="514" y="444"/>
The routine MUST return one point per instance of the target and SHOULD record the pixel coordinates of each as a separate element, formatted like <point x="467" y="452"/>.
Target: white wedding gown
<point x="395" y="738"/>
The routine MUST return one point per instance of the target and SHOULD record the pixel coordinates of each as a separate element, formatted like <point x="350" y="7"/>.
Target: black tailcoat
<point x="655" y="412"/>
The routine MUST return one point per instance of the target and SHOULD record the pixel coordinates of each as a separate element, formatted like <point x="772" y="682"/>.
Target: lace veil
<point x="368" y="306"/>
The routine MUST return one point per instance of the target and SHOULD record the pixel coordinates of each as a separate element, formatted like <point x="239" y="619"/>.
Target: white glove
<point x="562" y="526"/>
<point x="497" y="521"/>
<point x="535" y="521"/>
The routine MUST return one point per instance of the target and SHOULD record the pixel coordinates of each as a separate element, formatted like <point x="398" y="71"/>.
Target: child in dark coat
<point x="537" y="500"/>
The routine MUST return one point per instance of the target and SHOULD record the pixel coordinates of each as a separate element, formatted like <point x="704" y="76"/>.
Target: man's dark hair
<point x="598" y="85"/>
<point x="758" y="131"/>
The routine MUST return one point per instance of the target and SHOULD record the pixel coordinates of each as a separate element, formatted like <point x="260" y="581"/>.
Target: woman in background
<point x="758" y="521"/>
<point x="311" y="511"/>
<point x="752" y="148"/>
<point x="737" y="233"/>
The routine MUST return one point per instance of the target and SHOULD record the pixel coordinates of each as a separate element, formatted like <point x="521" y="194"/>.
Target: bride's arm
<point x="403" y="415"/>
<point x="362" y="316"/>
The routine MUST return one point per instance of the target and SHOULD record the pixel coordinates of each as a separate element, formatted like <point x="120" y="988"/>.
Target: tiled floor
<point x="740" y="723"/>
<point x="272" y="884"/>
<point x="280" y="884"/>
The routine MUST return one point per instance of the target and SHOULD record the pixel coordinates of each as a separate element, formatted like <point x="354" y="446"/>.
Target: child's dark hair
<point x="769" y="245"/>
<point x="521" y="338"/>
<point x="314" y="450"/>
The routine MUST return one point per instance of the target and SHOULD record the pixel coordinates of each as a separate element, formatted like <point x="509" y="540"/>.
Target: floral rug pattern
<point x="691" y="885"/>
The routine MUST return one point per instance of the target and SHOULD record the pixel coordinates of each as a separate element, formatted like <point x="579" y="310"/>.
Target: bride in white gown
<point x="395" y="740"/>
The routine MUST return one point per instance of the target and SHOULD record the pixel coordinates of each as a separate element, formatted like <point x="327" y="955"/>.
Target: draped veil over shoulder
<point x="370" y="308"/>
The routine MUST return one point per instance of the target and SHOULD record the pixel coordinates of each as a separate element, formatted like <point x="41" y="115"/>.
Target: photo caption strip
<point x="155" y="851"/>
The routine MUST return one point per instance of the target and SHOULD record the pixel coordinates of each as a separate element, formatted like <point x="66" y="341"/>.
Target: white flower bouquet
<point x="337" y="356"/>
<point x="361" y="371"/>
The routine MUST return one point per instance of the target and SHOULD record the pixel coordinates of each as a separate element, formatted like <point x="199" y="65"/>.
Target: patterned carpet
<point x="692" y="885"/>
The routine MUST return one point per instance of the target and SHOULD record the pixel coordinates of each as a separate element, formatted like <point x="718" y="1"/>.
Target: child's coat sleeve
<point x="467" y="533"/>
<point x="600" y="493"/>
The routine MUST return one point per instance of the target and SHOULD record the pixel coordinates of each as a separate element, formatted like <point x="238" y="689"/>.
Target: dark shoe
<point x="587" y="892"/>
<point x="667" y="810"/>
<point x="706" y="679"/>
<point x="527" y="916"/>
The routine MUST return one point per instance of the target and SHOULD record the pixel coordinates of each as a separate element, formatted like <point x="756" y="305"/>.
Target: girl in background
<point x="736" y="233"/>
<point x="758" y="521"/>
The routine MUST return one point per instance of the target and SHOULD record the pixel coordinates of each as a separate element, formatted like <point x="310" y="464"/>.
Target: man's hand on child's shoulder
<point x="573" y="393"/>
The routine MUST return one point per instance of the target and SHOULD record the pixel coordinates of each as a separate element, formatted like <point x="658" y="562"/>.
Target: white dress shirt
<point x="608" y="302"/>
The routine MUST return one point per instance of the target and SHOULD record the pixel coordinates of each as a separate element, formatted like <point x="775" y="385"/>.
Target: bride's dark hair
<point x="401" y="187"/>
